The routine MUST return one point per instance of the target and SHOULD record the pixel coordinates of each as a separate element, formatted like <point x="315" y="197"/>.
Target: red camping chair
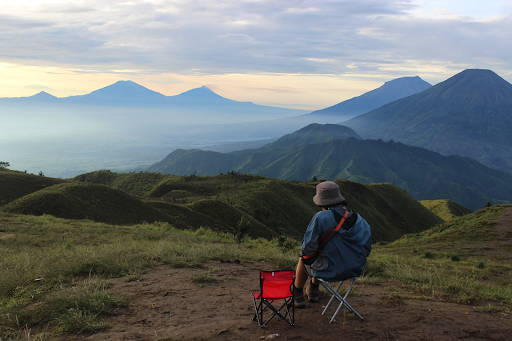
<point x="275" y="286"/>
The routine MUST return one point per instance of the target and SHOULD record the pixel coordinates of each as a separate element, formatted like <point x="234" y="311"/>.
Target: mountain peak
<point x="388" y="92"/>
<point x="407" y="80"/>
<point x="43" y="95"/>
<point x="334" y="130"/>
<point x="202" y="90"/>
<point x="315" y="133"/>
<point x="478" y="74"/>
<point x="475" y="83"/>
<point x="200" y="95"/>
<point x="124" y="90"/>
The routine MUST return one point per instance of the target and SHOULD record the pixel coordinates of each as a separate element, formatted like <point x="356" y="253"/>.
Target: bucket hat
<point x="328" y="194"/>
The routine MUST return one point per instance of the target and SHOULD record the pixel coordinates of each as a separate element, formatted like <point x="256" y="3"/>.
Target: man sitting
<point x="328" y="255"/>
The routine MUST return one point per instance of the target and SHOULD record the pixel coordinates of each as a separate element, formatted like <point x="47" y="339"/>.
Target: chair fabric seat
<point x="258" y="295"/>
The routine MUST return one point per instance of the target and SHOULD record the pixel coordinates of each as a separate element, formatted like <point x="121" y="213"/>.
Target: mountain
<point x="118" y="93"/>
<point x="204" y="162"/>
<point x="41" y="96"/>
<point x="123" y="92"/>
<point x="127" y="93"/>
<point x="314" y="133"/>
<point x="387" y="93"/>
<point x="423" y="173"/>
<point x="202" y="95"/>
<point x="469" y="114"/>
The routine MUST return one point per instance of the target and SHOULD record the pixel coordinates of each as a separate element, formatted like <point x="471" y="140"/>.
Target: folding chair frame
<point x="264" y="304"/>
<point x="283" y="312"/>
<point x="341" y="298"/>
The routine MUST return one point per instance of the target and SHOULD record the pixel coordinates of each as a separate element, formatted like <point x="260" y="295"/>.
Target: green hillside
<point x="425" y="174"/>
<point x="260" y="206"/>
<point x="54" y="270"/>
<point x="14" y="184"/>
<point x="469" y="114"/>
<point x="313" y="133"/>
<point x="58" y="273"/>
<point x="445" y="209"/>
<point x="467" y="259"/>
<point x="86" y="201"/>
<point x="137" y="184"/>
<point x="470" y="236"/>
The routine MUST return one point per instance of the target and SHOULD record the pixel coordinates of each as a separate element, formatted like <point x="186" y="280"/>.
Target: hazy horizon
<point x="304" y="55"/>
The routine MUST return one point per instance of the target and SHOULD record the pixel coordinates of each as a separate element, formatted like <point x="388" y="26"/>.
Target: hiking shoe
<point x="299" y="302"/>
<point x="313" y="293"/>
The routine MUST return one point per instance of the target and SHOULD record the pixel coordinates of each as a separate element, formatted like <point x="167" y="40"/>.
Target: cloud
<point x="233" y="36"/>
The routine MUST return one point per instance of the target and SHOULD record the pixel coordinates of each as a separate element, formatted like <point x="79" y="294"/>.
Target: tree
<point x="4" y="164"/>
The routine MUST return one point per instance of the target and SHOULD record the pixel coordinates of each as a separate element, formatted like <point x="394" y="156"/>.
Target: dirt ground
<point x="167" y="305"/>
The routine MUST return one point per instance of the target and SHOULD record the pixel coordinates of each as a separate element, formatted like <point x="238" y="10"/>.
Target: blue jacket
<point x="344" y="256"/>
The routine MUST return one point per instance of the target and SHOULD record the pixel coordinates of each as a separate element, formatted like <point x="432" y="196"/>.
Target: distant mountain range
<point x="387" y="93"/>
<point x="469" y="114"/>
<point x="129" y="93"/>
<point x="336" y="152"/>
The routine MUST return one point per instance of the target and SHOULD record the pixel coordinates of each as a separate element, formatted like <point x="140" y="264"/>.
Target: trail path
<point x="167" y="305"/>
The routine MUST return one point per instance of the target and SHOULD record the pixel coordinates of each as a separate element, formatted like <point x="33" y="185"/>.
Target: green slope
<point x="445" y="209"/>
<point x="14" y="184"/>
<point x="467" y="260"/>
<point x="86" y="201"/>
<point x="423" y="173"/>
<point x="481" y="234"/>
<point x="262" y="206"/>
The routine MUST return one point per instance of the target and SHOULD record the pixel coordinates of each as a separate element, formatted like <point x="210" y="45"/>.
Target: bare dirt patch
<point x="171" y="304"/>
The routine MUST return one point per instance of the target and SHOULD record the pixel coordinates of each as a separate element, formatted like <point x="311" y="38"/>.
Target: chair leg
<point x="335" y="294"/>
<point x="258" y="313"/>
<point x="286" y="315"/>
<point x="328" y="288"/>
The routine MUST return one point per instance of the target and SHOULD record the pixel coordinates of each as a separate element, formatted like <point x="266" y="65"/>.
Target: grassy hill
<point x="445" y="209"/>
<point x="261" y="206"/>
<point x="467" y="259"/>
<point x="56" y="270"/>
<point x="14" y="184"/>
<point x="425" y="174"/>
<point x="86" y="201"/>
<point x="235" y="203"/>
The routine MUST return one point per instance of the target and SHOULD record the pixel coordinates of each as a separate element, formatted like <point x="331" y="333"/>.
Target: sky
<point x="304" y="54"/>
